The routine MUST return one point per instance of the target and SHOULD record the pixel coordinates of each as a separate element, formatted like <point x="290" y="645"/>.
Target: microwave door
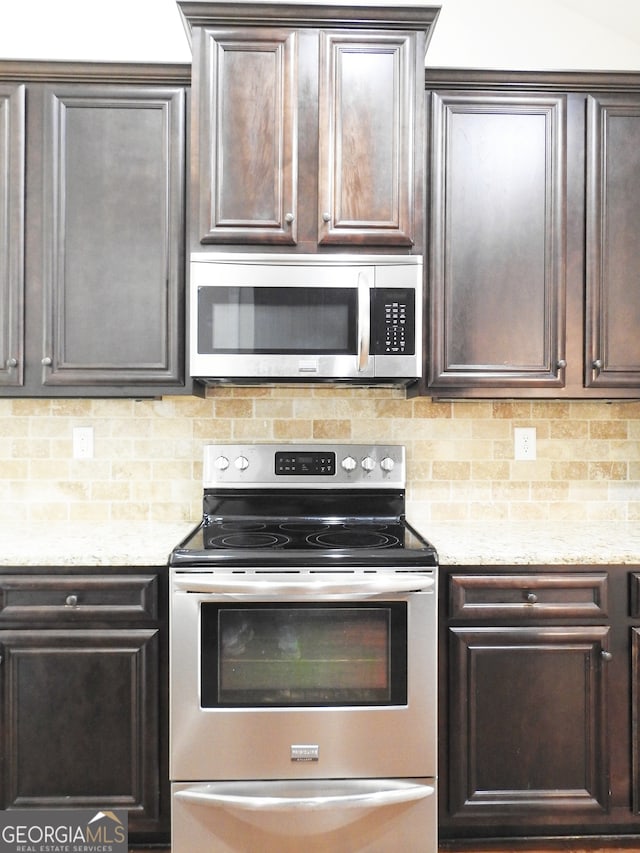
<point x="283" y="330"/>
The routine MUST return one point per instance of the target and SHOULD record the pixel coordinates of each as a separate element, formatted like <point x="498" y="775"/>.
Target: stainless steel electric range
<point x="303" y="657"/>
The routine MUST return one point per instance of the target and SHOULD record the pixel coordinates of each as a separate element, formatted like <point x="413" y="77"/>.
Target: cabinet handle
<point x="289" y="218"/>
<point x="47" y="361"/>
<point x="606" y="656"/>
<point x="326" y="217"/>
<point x="12" y="362"/>
<point x="597" y="364"/>
<point x="562" y="363"/>
<point x="71" y="601"/>
<point x="532" y="598"/>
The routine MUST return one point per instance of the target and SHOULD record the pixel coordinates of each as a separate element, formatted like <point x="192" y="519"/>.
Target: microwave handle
<point x="207" y="795"/>
<point x="344" y="589"/>
<point x="364" y="321"/>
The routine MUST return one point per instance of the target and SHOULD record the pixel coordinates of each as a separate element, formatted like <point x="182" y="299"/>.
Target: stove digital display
<point x="305" y="464"/>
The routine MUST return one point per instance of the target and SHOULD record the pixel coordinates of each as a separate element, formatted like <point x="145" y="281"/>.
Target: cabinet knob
<point x="47" y="361"/>
<point x="532" y="598"/>
<point x="289" y="218"/>
<point x="606" y="656"/>
<point x="562" y="363"/>
<point x="326" y="217"/>
<point x="12" y="362"/>
<point x="597" y="364"/>
<point x="71" y="600"/>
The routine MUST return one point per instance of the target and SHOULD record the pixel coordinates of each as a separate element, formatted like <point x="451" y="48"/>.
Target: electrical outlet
<point x="524" y="441"/>
<point x="83" y="442"/>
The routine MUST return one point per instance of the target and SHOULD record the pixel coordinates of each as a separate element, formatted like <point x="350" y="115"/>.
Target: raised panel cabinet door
<point x="368" y="166"/>
<point x="635" y="709"/>
<point x="80" y="720"/>
<point x="612" y="340"/>
<point x="245" y="135"/>
<point x="523" y="749"/>
<point x="12" y="189"/>
<point x="497" y="237"/>
<point x="113" y="231"/>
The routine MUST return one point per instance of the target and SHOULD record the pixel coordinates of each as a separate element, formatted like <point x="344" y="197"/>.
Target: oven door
<point x="278" y="678"/>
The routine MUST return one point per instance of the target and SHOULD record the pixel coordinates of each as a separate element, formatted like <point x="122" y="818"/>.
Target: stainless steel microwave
<point x="278" y="318"/>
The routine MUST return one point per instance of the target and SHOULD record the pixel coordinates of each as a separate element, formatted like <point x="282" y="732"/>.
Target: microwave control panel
<point x="393" y="321"/>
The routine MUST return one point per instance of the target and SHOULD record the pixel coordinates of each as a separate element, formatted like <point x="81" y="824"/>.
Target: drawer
<point x="78" y="597"/>
<point x="529" y="595"/>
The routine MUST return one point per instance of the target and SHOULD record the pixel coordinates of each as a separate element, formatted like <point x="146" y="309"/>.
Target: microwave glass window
<point x="290" y="655"/>
<point x="296" y="320"/>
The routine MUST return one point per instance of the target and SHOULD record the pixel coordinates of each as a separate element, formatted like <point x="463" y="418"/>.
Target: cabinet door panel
<point x="367" y="126"/>
<point x="521" y="746"/>
<point x="612" y="348"/>
<point x="12" y="176"/>
<point x="113" y="202"/>
<point x="80" y="721"/>
<point x="247" y="152"/>
<point x="497" y="240"/>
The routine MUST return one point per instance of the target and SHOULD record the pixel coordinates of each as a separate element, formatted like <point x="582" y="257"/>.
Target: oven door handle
<point x="234" y="587"/>
<point x="393" y="794"/>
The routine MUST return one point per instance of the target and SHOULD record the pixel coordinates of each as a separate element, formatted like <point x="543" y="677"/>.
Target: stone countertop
<point x="125" y="543"/>
<point x="458" y="543"/>
<point x="532" y="543"/>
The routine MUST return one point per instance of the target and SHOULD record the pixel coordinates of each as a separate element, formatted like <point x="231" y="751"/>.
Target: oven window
<point x="264" y="320"/>
<point x="292" y="654"/>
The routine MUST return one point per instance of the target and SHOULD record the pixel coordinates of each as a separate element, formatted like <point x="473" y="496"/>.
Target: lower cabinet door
<point x="80" y="724"/>
<point x="527" y="723"/>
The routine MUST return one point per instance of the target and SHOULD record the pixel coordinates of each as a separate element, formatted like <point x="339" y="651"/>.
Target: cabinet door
<point x="113" y="212"/>
<point x="521" y="749"/>
<point x="80" y="720"/>
<point x="612" y="348"/>
<point x="12" y="188"/>
<point x="498" y="263"/>
<point x="635" y="703"/>
<point x="367" y="168"/>
<point x="245" y="136"/>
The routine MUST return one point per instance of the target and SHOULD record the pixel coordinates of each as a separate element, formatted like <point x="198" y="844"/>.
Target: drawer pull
<point x="71" y="601"/>
<point x="532" y="598"/>
<point x="606" y="656"/>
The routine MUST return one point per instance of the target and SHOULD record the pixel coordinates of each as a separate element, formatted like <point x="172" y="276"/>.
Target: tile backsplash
<point x="147" y="454"/>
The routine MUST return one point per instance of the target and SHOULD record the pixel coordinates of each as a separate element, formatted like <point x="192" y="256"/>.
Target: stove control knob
<point x="348" y="463"/>
<point x="221" y="463"/>
<point x="242" y="463"/>
<point x="368" y="464"/>
<point x="387" y="464"/>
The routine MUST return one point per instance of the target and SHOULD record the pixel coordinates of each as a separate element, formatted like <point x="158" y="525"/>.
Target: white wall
<point x="508" y="34"/>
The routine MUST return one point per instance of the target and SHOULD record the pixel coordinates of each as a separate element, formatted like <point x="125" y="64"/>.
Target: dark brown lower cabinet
<point x="83" y="676"/>
<point x="539" y="704"/>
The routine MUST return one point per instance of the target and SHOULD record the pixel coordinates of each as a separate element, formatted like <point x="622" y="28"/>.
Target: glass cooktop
<point x="303" y="535"/>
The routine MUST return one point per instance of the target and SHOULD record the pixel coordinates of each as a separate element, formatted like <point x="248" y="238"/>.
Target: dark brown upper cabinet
<point x="308" y="125"/>
<point x="367" y="138"/>
<point x="612" y="349"/>
<point x="497" y="240"/>
<point x="96" y="236"/>
<point x="533" y="250"/>
<point x="12" y="185"/>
